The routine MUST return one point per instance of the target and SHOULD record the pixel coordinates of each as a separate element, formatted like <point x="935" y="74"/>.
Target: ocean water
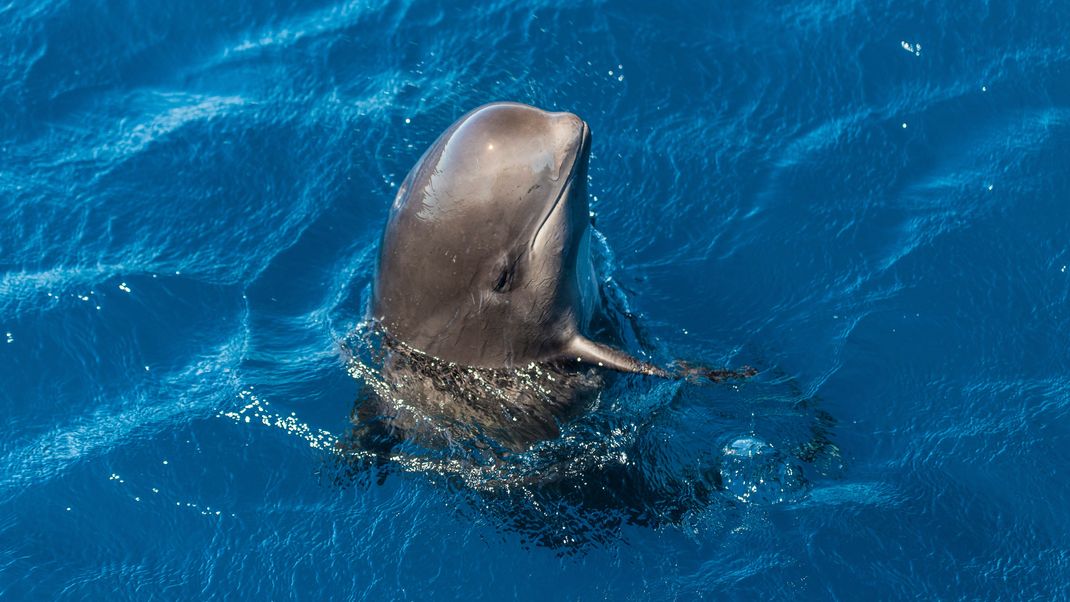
<point x="867" y="201"/>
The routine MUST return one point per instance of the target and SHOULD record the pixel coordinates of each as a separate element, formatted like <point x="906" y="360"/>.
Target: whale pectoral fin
<point x="585" y="350"/>
<point x="695" y="373"/>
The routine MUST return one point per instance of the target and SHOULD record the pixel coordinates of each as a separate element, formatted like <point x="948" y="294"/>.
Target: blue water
<point x="868" y="201"/>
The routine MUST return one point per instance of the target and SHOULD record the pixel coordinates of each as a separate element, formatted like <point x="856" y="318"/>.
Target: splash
<point x="257" y="411"/>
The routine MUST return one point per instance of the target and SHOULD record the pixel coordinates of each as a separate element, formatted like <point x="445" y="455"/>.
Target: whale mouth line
<point x="585" y="143"/>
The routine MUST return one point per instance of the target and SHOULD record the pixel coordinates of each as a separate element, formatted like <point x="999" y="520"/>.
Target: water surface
<point x="868" y="201"/>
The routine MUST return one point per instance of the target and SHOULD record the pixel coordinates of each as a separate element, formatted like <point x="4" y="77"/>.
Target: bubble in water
<point x="753" y="471"/>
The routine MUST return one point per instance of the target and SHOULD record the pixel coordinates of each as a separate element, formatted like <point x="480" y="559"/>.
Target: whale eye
<point x="506" y="277"/>
<point x="503" y="279"/>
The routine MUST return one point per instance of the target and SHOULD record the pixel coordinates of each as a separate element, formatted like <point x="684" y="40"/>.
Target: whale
<point x="491" y="324"/>
<point x="485" y="257"/>
<point x="493" y="347"/>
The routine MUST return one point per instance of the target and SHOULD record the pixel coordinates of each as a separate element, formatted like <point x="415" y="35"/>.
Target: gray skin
<point x="484" y="261"/>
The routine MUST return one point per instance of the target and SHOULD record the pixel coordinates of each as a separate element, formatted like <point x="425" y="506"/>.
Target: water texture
<point x="867" y="201"/>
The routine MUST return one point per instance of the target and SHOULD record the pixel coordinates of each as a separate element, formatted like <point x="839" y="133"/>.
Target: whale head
<point x="484" y="259"/>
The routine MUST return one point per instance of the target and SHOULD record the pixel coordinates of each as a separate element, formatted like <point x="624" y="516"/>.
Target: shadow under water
<point x="567" y="455"/>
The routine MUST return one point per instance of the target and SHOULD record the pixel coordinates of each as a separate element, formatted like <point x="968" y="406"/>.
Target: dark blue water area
<point x="867" y="201"/>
